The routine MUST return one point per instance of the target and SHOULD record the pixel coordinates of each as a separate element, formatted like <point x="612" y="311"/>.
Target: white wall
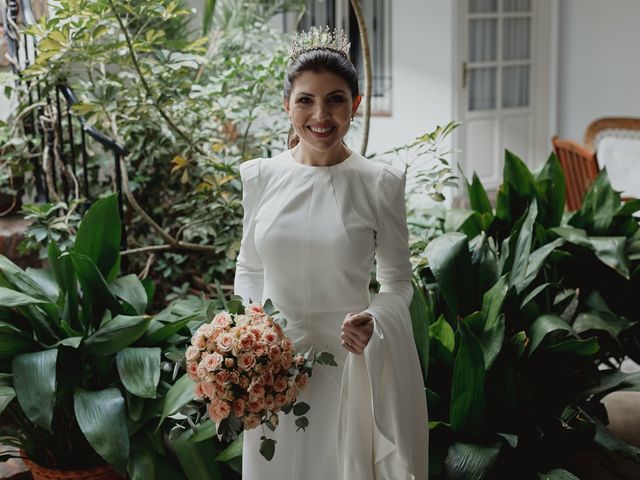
<point x="599" y="70"/>
<point x="422" y="73"/>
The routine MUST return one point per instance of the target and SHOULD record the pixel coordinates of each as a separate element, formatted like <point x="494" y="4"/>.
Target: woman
<point x="315" y="217"/>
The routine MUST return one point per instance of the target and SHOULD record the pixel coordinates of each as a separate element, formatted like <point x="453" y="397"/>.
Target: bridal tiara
<point x="318" y="38"/>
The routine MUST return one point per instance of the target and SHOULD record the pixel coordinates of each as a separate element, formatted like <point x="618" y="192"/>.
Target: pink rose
<point x="225" y="342"/>
<point x="199" y="340"/>
<point x="242" y="320"/>
<point x="286" y="359"/>
<point x="222" y="320"/>
<point x="251" y="421"/>
<point x="274" y="352"/>
<point x="208" y="390"/>
<point x="302" y="381"/>
<point x="280" y="384"/>
<point x="234" y="377"/>
<point x="267" y="378"/>
<point x="212" y="361"/>
<point x="269" y="402"/>
<point x="270" y="336"/>
<point x="256" y="388"/>
<point x="287" y="344"/>
<point x="255" y="405"/>
<point x="244" y="382"/>
<point x="222" y="376"/>
<point x="256" y="332"/>
<point x="292" y="393"/>
<point x="260" y="349"/>
<point x="281" y="400"/>
<point x="198" y="393"/>
<point x="238" y="406"/>
<point x="246" y="360"/>
<point x="205" y="329"/>
<point x="254" y="308"/>
<point x="192" y="371"/>
<point x="219" y="410"/>
<point x="192" y="353"/>
<point x="229" y="362"/>
<point x="201" y="371"/>
<point x="247" y="341"/>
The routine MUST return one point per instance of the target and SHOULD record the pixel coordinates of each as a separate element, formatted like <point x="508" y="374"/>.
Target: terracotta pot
<point x="103" y="472"/>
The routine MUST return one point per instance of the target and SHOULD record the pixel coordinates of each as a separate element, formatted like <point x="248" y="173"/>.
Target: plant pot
<point x="103" y="472"/>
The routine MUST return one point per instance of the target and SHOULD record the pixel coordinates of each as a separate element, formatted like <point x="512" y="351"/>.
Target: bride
<point x="315" y="218"/>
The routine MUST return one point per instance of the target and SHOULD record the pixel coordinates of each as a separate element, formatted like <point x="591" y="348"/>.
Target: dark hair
<point x="319" y="61"/>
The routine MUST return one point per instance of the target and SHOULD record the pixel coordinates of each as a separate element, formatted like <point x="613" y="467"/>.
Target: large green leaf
<point x="234" y="450"/>
<point x="16" y="279"/>
<point x="478" y="198"/>
<point x="65" y="275"/>
<point x="516" y="193"/>
<point x="34" y="380"/>
<point x="589" y="346"/>
<point x="601" y="321"/>
<point x="600" y="204"/>
<point x="442" y="340"/>
<point x="13" y="298"/>
<point x="130" y="289"/>
<point x="469" y="461"/>
<point x="13" y="341"/>
<point x="205" y="431"/>
<point x="557" y="474"/>
<point x="465" y="221"/>
<point x="118" y="333"/>
<point x="522" y="248"/>
<point x="139" y="370"/>
<point x="421" y="317"/>
<point x="141" y="461"/>
<point x="551" y="192"/>
<point x="7" y="394"/>
<point x="99" y="234"/>
<point x="196" y="457"/>
<point x="536" y="261"/>
<point x="450" y="262"/>
<point x="467" y="390"/>
<point x="45" y="280"/>
<point x="491" y="339"/>
<point x="94" y="287"/>
<point x="178" y="396"/>
<point x="544" y="327"/>
<point x="158" y="331"/>
<point x="102" y="419"/>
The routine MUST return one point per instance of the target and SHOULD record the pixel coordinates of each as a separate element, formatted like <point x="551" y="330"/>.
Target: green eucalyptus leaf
<point x="139" y="370"/>
<point x="34" y="380"/>
<point x="102" y="419"/>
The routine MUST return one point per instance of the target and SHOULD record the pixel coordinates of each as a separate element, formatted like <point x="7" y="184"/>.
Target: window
<point x="378" y="18"/>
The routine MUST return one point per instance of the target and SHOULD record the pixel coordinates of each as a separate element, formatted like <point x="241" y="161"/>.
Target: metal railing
<point x="49" y="112"/>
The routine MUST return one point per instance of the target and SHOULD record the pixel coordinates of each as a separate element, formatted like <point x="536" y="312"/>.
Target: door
<point x="504" y="91"/>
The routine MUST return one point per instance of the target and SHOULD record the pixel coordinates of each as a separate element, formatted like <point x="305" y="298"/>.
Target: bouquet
<point x="247" y="370"/>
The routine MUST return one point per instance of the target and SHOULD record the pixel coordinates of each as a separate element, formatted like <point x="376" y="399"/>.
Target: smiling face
<point x="320" y="107"/>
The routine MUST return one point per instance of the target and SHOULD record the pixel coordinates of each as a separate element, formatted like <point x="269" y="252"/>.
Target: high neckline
<point x="322" y="167"/>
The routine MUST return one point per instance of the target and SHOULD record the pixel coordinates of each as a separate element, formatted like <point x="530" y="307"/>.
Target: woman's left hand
<point x="356" y="331"/>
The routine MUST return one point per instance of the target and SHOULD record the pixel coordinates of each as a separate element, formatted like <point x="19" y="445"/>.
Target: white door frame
<point x="544" y="85"/>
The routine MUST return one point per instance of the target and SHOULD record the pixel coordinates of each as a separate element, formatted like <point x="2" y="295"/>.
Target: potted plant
<point x="81" y="377"/>
<point x="518" y="350"/>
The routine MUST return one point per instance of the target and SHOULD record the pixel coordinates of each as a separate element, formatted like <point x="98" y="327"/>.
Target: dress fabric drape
<point x="310" y="237"/>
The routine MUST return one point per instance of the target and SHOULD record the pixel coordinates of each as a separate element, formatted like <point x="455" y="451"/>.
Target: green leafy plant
<point x="517" y="356"/>
<point x="83" y="367"/>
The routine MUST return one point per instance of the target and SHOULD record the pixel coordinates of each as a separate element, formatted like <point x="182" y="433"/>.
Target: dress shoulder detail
<point x="250" y="169"/>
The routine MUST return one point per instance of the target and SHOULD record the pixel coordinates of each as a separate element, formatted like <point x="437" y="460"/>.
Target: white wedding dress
<point x="310" y="235"/>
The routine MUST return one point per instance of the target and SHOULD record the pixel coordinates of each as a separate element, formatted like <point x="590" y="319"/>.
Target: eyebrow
<point x="330" y="93"/>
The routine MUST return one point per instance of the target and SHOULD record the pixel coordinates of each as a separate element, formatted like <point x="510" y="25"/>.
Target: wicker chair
<point x="580" y="170"/>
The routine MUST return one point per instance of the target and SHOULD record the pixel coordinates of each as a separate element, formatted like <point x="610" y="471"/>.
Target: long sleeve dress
<point x="310" y="237"/>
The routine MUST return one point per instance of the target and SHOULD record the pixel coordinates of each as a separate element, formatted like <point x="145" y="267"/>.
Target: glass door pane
<point x="482" y="89"/>
<point x="483" y="40"/>
<point x="515" y="86"/>
<point x="517" y="6"/>
<point x="483" y="6"/>
<point x="516" y="39"/>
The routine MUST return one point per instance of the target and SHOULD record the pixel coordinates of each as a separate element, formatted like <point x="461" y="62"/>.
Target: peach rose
<point x="255" y="405"/>
<point x="238" y="406"/>
<point x="274" y="352"/>
<point x="243" y="320"/>
<point x="246" y="360"/>
<point x="302" y="381"/>
<point x="267" y="378"/>
<point x="222" y="376"/>
<point x="281" y="400"/>
<point x="287" y="344"/>
<point x="251" y="421"/>
<point x="222" y="320"/>
<point x="219" y="410"/>
<point x="269" y="402"/>
<point x="212" y="361"/>
<point x="256" y="388"/>
<point x="280" y="384"/>
<point x="229" y="362"/>
<point x="270" y="336"/>
<point x="254" y="308"/>
<point x="225" y="342"/>
<point x="244" y="382"/>
<point x="234" y="377"/>
<point x="201" y="371"/>
<point x="260" y="349"/>
<point x="292" y="394"/>
<point x="198" y="340"/>
<point x="205" y="329"/>
<point x="192" y="371"/>
<point x="198" y="393"/>
<point x="208" y="389"/>
<point x="192" y="353"/>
